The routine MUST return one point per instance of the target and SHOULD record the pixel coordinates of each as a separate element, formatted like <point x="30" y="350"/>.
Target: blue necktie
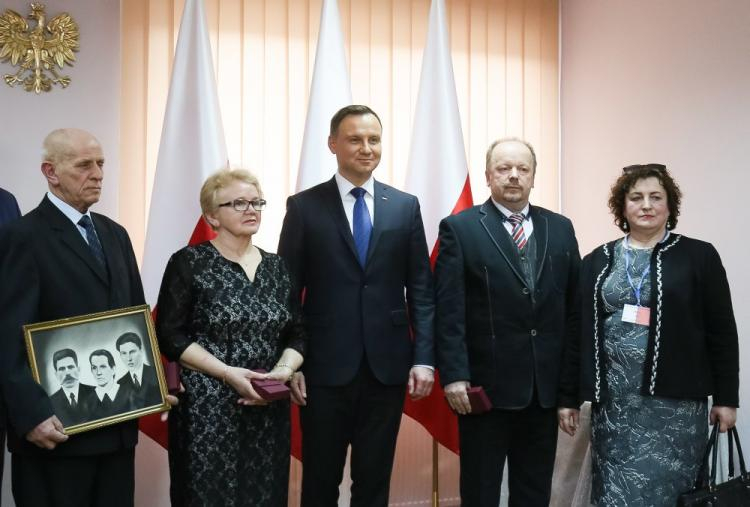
<point x="361" y="226"/>
<point x="92" y="239"/>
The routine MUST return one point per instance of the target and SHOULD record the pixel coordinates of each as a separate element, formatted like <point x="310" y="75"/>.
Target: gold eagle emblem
<point x="37" y="51"/>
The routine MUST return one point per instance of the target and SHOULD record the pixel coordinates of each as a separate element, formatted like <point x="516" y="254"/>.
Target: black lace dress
<point x="222" y="453"/>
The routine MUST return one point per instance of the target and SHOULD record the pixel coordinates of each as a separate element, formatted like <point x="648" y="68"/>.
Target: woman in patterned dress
<point x="225" y="310"/>
<point x="658" y="337"/>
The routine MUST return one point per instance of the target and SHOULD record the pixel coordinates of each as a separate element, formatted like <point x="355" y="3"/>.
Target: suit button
<point x="364" y="286"/>
<point x="525" y="291"/>
<point x="533" y="332"/>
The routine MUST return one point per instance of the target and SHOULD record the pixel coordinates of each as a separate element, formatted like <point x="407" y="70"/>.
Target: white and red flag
<point x="192" y="147"/>
<point x="330" y="90"/>
<point x="438" y="175"/>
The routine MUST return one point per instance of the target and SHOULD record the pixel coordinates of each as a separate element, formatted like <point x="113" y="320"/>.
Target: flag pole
<point x="435" y="480"/>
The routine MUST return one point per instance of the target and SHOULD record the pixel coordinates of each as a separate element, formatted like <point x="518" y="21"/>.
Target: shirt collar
<point x="345" y="186"/>
<point x="74" y="391"/>
<point x="139" y="373"/>
<point x="112" y="391"/>
<point x="69" y="211"/>
<point x="506" y="212"/>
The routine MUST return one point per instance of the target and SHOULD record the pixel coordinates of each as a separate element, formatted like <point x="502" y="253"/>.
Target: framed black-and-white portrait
<point x="98" y="369"/>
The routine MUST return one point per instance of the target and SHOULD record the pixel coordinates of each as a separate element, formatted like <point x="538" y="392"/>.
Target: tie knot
<point x="86" y="223"/>
<point x="516" y="218"/>
<point x="358" y="192"/>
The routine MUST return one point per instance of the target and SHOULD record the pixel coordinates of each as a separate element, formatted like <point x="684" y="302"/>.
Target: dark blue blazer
<point x="352" y="312"/>
<point x="48" y="272"/>
<point x="8" y="207"/>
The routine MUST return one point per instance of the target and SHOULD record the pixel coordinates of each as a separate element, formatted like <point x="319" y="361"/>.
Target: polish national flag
<point x="438" y="175"/>
<point x="330" y="90"/>
<point x="192" y="147"/>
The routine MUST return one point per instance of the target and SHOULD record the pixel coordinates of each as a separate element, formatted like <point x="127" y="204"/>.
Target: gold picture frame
<point x="89" y="366"/>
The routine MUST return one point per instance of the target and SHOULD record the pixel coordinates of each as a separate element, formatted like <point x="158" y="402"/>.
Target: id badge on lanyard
<point x="635" y="314"/>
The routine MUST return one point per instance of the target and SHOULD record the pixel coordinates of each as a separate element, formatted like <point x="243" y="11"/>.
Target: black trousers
<point x="364" y="414"/>
<point x="527" y="437"/>
<point x="105" y="480"/>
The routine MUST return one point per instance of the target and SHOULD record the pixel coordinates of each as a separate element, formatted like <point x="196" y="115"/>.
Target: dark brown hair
<point x="629" y="177"/>
<point x="355" y="110"/>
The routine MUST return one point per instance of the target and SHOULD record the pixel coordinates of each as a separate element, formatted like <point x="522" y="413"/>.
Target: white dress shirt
<point x="348" y="200"/>
<point x="74" y="392"/>
<point x="139" y="373"/>
<point x="69" y="211"/>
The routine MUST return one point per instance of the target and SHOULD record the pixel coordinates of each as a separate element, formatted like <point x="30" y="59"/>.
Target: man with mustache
<point x="62" y="260"/>
<point x="73" y="402"/>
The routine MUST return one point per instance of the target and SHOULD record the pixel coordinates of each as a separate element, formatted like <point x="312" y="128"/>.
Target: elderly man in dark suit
<point x="506" y="278"/>
<point x="61" y="260"/>
<point x="8" y="211"/>
<point x="356" y="248"/>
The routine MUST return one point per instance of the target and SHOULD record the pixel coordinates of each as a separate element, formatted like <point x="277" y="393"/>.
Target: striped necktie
<point x="519" y="237"/>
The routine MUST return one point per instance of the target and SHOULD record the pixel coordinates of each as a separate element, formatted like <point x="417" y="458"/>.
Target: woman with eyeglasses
<point x="658" y="337"/>
<point x="225" y="311"/>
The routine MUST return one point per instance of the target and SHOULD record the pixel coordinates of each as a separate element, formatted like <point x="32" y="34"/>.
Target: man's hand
<point x="420" y="382"/>
<point x="47" y="434"/>
<point x="568" y="420"/>
<point x="299" y="388"/>
<point x="173" y="401"/>
<point x="458" y="399"/>
<point x="725" y="416"/>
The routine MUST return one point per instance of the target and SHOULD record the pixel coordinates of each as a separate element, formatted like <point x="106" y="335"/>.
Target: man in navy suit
<point x="61" y="260"/>
<point x="505" y="290"/>
<point x="8" y="207"/>
<point x="356" y="249"/>
<point x="8" y="211"/>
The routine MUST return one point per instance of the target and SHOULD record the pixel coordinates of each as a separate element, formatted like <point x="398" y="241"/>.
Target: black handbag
<point x="735" y="492"/>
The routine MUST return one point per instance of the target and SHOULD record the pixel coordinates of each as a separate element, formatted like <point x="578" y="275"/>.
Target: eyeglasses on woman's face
<point x="243" y="205"/>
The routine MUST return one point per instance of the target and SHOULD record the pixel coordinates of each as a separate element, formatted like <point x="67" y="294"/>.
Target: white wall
<point x="662" y="81"/>
<point x="91" y="102"/>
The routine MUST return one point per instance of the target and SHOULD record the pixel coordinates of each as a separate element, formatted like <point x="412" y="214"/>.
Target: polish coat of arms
<point x="39" y="51"/>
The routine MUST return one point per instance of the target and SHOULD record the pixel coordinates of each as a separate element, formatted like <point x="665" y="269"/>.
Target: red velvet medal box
<point x="270" y="390"/>
<point x="172" y="373"/>
<point x="478" y="399"/>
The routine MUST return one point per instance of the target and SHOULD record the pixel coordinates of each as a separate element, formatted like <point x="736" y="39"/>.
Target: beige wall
<point x="662" y="81"/>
